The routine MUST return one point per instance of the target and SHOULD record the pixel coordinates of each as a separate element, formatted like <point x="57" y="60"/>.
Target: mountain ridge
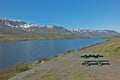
<point x="11" y="26"/>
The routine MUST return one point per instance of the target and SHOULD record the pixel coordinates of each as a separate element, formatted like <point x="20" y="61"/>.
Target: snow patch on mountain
<point x="26" y="25"/>
<point x="49" y="26"/>
<point x="7" y="19"/>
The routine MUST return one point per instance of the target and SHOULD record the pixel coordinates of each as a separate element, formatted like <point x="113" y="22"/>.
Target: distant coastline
<point x="57" y="37"/>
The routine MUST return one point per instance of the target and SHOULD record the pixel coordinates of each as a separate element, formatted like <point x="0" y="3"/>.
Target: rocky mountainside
<point x="14" y="26"/>
<point x="17" y="26"/>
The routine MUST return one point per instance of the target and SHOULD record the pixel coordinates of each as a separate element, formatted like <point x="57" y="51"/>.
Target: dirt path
<point x="69" y="67"/>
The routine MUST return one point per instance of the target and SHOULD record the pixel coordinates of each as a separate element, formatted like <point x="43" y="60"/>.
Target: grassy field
<point x="30" y="36"/>
<point x="111" y="46"/>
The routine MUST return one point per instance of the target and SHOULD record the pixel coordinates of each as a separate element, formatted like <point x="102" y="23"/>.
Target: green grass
<point x="111" y="46"/>
<point x="35" y="36"/>
<point x="8" y="73"/>
<point x="21" y="67"/>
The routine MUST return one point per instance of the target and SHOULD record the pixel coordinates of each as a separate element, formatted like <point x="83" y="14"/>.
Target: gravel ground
<point x="69" y="67"/>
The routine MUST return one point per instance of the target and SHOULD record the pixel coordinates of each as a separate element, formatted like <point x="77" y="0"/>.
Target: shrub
<point x="20" y="67"/>
<point x="10" y="72"/>
<point x="6" y="74"/>
<point x="69" y="51"/>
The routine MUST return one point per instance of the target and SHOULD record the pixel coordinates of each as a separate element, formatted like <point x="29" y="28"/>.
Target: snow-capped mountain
<point x="14" y="24"/>
<point x="17" y="26"/>
<point x="91" y="32"/>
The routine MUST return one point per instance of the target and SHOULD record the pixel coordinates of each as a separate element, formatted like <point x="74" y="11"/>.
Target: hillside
<point x="111" y="46"/>
<point x="11" y="30"/>
<point x="69" y="67"/>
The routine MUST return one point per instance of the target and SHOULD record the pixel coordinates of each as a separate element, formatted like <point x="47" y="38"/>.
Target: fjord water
<point x="28" y="51"/>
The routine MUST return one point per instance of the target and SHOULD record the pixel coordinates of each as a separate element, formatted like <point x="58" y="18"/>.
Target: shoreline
<point x="13" y="39"/>
<point x="42" y="59"/>
<point x="59" y="53"/>
<point x="33" y="64"/>
<point x="41" y="39"/>
<point x="22" y="67"/>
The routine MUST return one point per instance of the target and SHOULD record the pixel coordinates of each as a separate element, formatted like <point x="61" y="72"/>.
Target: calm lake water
<point x="27" y="51"/>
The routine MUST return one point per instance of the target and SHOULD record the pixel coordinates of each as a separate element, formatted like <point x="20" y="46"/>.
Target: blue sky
<point x="83" y="14"/>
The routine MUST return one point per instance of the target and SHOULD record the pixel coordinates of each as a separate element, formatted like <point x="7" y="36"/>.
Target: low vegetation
<point x="70" y="51"/>
<point x="30" y="36"/>
<point x="111" y="46"/>
<point x="8" y="73"/>
<point x="21" y="67"/>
